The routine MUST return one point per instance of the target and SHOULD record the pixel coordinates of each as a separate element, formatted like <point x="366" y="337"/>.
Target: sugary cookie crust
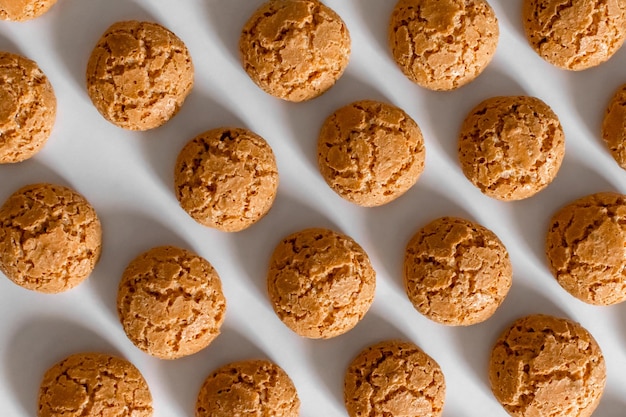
<point x="614" y="126"/>
<point x="22" y="10"/>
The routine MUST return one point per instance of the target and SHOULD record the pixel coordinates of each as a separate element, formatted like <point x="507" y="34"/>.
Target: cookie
<point x="248" y="388"/>
<point x="94" y="385"/>
<point x="511" y="147"/>
<point x="28" y="108"/>
<point x="547" y="366"/>
<point x="575" y="35"/>
<point x="226" y="178"/>
<point x="585" y="248"/>
<point x="50" y="238"/>
<point x="443" y="44"/>
<point x="22" y="10"/>
<point x="139" y="75"/>
<point x="394" y="378"/>
<point x="370" y="153"/>
<point x="614" y="126"/>
<point x="320" y="282"/>
<point x="170" y="302"/>
<point x="456" y="272"/>
<point x="294" y="49"/>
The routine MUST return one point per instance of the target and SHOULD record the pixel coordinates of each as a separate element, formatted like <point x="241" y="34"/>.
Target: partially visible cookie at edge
<point x="614" y="126"/>
<point x="23" y="10"/>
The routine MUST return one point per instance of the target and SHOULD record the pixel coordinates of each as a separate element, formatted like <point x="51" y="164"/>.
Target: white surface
<point x="128" y="178"/>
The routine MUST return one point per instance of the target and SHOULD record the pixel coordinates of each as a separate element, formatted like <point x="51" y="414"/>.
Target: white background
<point x="128" y="177"/>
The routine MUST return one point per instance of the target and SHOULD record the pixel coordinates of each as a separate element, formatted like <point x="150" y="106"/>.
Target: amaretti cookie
<point x="575" y="35"/>
<point x="370" y="153"/>
<point x="456" y="272"/>
<point x="394" y="378"/>
<point x="585" y="248"/>
<point x="94" y="385"/>
<point x="294" y="49"/>
<point x="139" y="75"/>
<point x="547" y="366"/>
<point x="614" y="126"/>
<point x="22" y="10"/>
<point x="320" y="282"/>
<point x="511" y="147"/>
<point x="170" y="302"/>
<point x="248" y="388"/>
<point x="443" y="44"/>
<point x="226" y="178"/>
<point x="50" y="238"/>
<point x="28" y="108"/>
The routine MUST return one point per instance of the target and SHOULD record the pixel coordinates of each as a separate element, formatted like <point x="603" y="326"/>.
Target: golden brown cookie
<point x="170" y="302"/>
<point x="22" y="10"/>
<point x="28" y="108"/>
<point x="248" y="388"/>
<point x="575" y="35"/>
<point x="547" y="366"/>
<point x="50" y="238"/>
<point x="614" y="126"/>
<point x="320" y="283"/>
<point x="294" y="49"/>
<point x="394" y="378"/>
<point x="443" y="44"/>
<point x="370" y="153"/>
<point x="226" y="178"/>
<point x="139" y="75"/>
<point x="511" y="147"/>
<point x="585" y="248"/>
<point x="456" y="272"/>
<point x="94" y="385"/>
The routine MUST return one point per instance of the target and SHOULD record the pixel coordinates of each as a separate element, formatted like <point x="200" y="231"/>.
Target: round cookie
<point x="320" y="283"/>
<point x="443" y="44"/>
<point x="394" y="378"/>
<point x="547" y="366"/>
<point x="456" y="272"/>
<point x="511" y="147"/>
<point x="614" y="126"/>
<point x="94" y="385"/>
<point x="585" y="248"/>
<point x="170" y="302"/>
<point x="294" y="49"/>
<point x="139" y="75"/>
<point x="370" y="153"/>
<point x="248" y="388"/>
<point x="22" y="10"/>
<point x="226" y="178"/>
<point x="50" y="238"/>
<point x="575" y="35"/>
<point x="28" y="108"/>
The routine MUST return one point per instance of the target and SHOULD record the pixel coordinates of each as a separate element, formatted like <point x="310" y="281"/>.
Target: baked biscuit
<point x="614" y="126"/>
<point x="22" y="10"/>
<point x="294" y="49"/>
<point x="50" y="238"/>
<point x="370" y="153"/>
<point x="320" y="282"/>
<point x="139" y="75"/>
<point x="511" y="147"/>
<point x="547" y="366"/>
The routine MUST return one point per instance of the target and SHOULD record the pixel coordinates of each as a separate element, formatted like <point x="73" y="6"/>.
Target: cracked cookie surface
<point x="511" y="147"/>
<point x="226" y="178"/>
<point x="22" y="10"/>
<point x="370" y="153"/>
<point x="295" y="49"/>
<point x="320" y="282"/>
<point x="139" y="75"/>
<point x="394" y="378"/>
<point x="547" y="366"/>
<point x="585" y="246"/>
<point x="573" y="34"/>
<point x="28" y="108"/>
<point x="443" y="44"/>
<point x="251" y="388"/>
<point x="50" y="238"/>
<point x="456" y="272"/>
<point x="170" y="302"/>
<point x="614" y="126"/>
<point x="94" y="385"/>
